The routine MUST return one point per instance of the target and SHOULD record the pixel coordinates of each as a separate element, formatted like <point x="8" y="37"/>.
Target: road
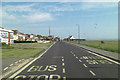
<point x="64" y="61"/>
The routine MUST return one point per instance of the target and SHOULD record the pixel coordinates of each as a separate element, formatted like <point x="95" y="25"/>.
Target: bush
<point x="24" y="41"/>
<point x="3" y="44"/>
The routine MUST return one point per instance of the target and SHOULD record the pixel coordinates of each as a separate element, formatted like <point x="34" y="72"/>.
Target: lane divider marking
<point x="92" y="73"/>
<point x="11" y="77"/>
<point x="85" y="65"/>
<point x="63" y="64"/>
<point x="63" y="70"/>
<point x="104" y="57"/>
<point x="62" y="59"/>
<point x="5" y="68"/>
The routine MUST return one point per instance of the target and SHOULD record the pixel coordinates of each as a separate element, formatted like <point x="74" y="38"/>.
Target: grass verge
<point x="111" y="46"/>
<point x="13" y="52"/>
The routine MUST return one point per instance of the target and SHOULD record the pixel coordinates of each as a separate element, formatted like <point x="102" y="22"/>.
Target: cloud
<point x="38" y="17"/>
<point x="24" y="13"/>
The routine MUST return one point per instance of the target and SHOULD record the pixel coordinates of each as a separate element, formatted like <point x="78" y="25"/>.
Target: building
<point x="16" y="35"/>
<point x="21" y="36"/>
<point x="6" y="36"/>
<point x="72" y="38"/>
<point x="27" y="37"/>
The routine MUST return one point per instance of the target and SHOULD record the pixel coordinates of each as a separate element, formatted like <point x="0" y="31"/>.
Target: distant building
<point x="72" y="38"/>
<point x="6" y="36"/>
<point x="50" y="37"/>
<point x="27" y="37"/>
<point x="57" y="38"/>
<point x="15" y="36"/>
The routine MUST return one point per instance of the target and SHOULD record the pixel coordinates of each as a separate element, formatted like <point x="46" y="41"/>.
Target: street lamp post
<point x="78" y="33"/>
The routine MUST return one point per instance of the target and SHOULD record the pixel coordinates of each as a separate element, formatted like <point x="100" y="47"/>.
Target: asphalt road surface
<point x="64" y="61"/>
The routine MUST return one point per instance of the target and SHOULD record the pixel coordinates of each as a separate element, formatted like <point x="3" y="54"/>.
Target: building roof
<point x="3" y="29"/>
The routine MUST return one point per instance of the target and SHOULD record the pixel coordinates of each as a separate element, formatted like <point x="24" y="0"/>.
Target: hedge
<point x="24" y="41"/>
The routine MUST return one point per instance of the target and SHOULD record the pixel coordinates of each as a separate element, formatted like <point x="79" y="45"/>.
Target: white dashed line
<point x="62" y="59"/>
<point x="5" y="68"/>
<point x="85" y="65"/>
<point x="11" y="64"/>
<point x="63" y="70"/>
<point x="63" y="64"/>
<point x="92" y="73"/>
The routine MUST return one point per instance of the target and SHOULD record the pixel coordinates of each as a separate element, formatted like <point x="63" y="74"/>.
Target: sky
<point x="98" y="20"/>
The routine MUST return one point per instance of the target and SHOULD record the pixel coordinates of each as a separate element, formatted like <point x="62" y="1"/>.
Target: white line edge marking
<point x="85" y="65"/>
<point x="5" y="68"/>
<point x="104" y="57"/>
<point x="16" y="62"/>
<point x="63" y="70"/>
<point x="20" y="60"/>
<point x="28" y="64"/>
<point x="92" y="73"/>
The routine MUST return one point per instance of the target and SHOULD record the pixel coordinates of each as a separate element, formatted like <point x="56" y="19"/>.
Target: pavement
<point x="63" y="61"/>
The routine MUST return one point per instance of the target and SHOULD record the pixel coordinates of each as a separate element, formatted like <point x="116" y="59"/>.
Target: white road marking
<point x="80" y="60"/>
<point x="28" y="64"/>
<point x="11" y="64"/>
<point x="63" y="70"/>
<point x="62" y="59"/>
<point x="74" y="54"/>
<point x="104" y="57"/>
<point x="76" y="57"/>
<point x="16" y="62"/>
<point x="5" y="68"/>
<point x="92" y="73"/>
<point x="85" y="65"/>
<point x="63" y="64"/>
<point x="20" y="60"/>
<point x="64" y="78"/>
